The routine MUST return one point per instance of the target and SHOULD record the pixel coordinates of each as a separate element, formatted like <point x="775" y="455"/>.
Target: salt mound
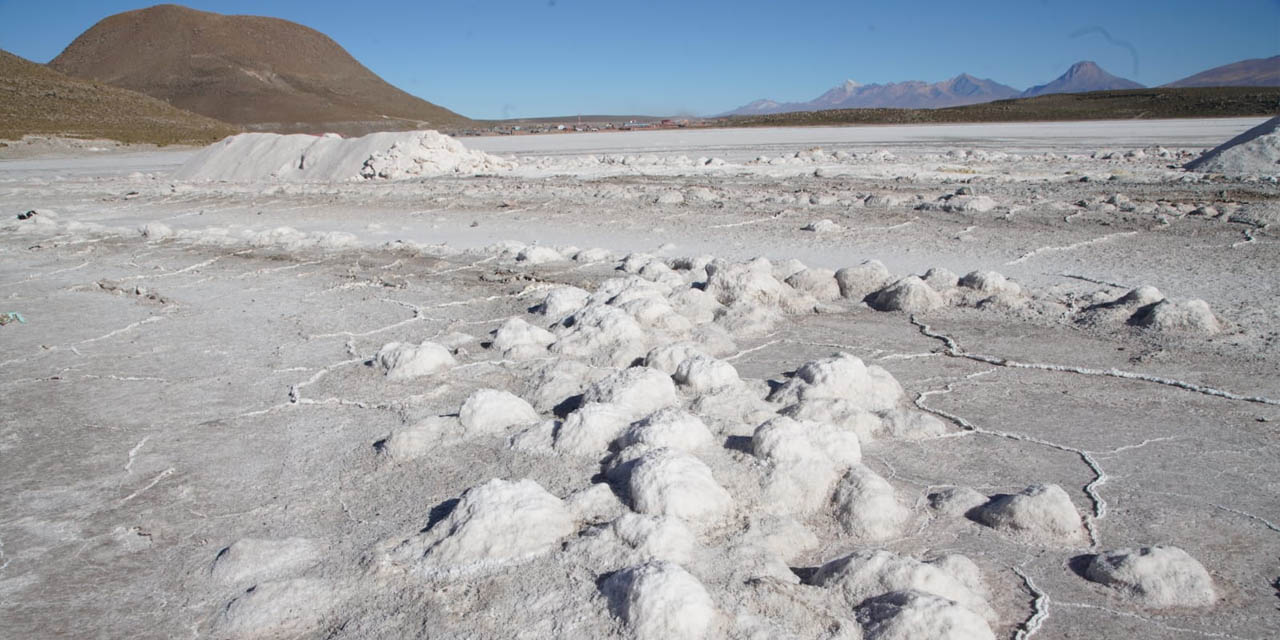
<point x="989" y="282"/>
<point x="667" y="482"/>
<point x="660" y="601"/>
<point x="754" y="284"/>
<point x="842" y="377"/>
<point x="404" y="361"/>
<point x="910" y="294"/>
<point x="603" y="334"/>
<point x="858" y="282"/>
<point x="277" y="609"/>
<point x="1189" y="316"/>
<point x="638" y="391"/>
<point x="704" y="374"/>
<point x="656" y="537"/>
<point x="492" y="411"/>
<point x="806" y="459"/>
<point x="1254" y="152"/>
<point x="493" y="524"/>
<point x="1041" y="511"/>
<point x="668" y="357"/>
<point x="418" y="440"/>
<point x="867" y="506"/>
<point x="253" y="560"/>
<point x="519" y="340"/>
<point x="672" y="428"/>
<point x="562" y="302"/>
<point x="865" y="574"/>
<point x="817" y="282"/>
<point x="590" y="429"/>
<point x="1157" y="577"/>
<point x="914" y="615"/>
<point x="393" y="155"/>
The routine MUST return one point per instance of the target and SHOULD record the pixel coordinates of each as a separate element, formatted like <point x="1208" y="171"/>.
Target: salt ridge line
<point x="1084" y="243"/>
<point x="1091" y="489"/>
<point x="1039" y="608"/>
<point x="1130" y="614"/>
<point x="955" y="351"/>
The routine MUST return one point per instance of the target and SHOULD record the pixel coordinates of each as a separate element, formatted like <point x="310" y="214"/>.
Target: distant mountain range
<point x="965" y="89"/>
<point x="257" y="72"/>
<point x="1258" y="72"/>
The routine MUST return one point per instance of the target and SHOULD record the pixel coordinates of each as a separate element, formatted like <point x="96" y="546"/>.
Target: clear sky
<point x="516" y="58"/>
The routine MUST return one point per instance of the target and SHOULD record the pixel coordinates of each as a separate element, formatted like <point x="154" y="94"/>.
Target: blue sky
<point x="514" y="58"/>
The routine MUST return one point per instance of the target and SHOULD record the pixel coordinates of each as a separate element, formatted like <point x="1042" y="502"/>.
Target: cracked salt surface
<point x="344" y="428"/>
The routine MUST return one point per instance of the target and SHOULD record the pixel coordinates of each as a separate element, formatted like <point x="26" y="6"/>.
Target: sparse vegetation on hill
<point x="1209" y="102"/>
<point x="35" y="99"/>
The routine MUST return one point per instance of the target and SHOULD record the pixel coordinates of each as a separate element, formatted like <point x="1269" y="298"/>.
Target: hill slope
<point x="1082" y="77"/>
<point x="35" y="99"/>
<point x="261" y="73"/>
<point x="1257" y="72"/>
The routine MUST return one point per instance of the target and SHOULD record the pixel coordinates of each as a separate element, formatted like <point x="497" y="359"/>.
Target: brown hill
<point x="35" y="99"/>
<point x="261" y="73"/>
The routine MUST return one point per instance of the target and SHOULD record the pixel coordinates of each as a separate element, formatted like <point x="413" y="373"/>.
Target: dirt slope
<point x="35" y="99"/>
<point x="261" y="73"/>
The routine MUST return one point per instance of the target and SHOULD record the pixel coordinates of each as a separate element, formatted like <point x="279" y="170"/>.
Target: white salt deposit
<point x="420" y="439"/>
<point x="806" y="459"/>
<point x="562" y="302"/>
<point x="493" y="411"/>
<point x="672" y="428"/>
<point x="703" y="374"/>
<point x="754" y="284"/>
<point x="860" y="281"/>
<point x="867" y="507"/>
<point x="637" y="391"/>
<point x="842" y="377"/>
<point x="661" y="601"/>
<point x="602" y="335"/>
<point x="516" y="339"/>
<point x="989" y="282"/>
<point x="537" y="254"/>
<point x="1041" y="512"/>
<point x="1157" y="577"/>
<point x="866" y="574"/>
<point x="590" y="429"/>
<point x="817" y="282"/>
<point x="656" y="537"/>
<point x="910" y="294"/>
<point x="278" y="609"/>
<point x="914" y="615"/>
<point x="403" y="361"/>
<point x="1187" y="316"/>
<point x="1254" y="152"/>
<point x="493" y="524"/>
<point x="667" y="358"/>
<point x="256" y="157"/>
<point x="668" y="482"/>
<point x="251" y="560"/>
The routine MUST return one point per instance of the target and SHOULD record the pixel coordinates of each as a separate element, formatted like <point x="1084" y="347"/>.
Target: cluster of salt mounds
<point x="1254" y="152"/>
<point x="391" y="155"/>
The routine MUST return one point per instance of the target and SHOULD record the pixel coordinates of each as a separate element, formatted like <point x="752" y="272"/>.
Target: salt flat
<point x="272" y="408"/>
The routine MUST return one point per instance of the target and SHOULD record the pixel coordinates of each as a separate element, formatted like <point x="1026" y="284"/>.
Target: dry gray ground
<point x="230" y="398"/>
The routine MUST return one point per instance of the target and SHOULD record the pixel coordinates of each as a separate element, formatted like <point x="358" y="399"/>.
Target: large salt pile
<point x="392" y="155"/>
<point x="1254" y="152"/>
